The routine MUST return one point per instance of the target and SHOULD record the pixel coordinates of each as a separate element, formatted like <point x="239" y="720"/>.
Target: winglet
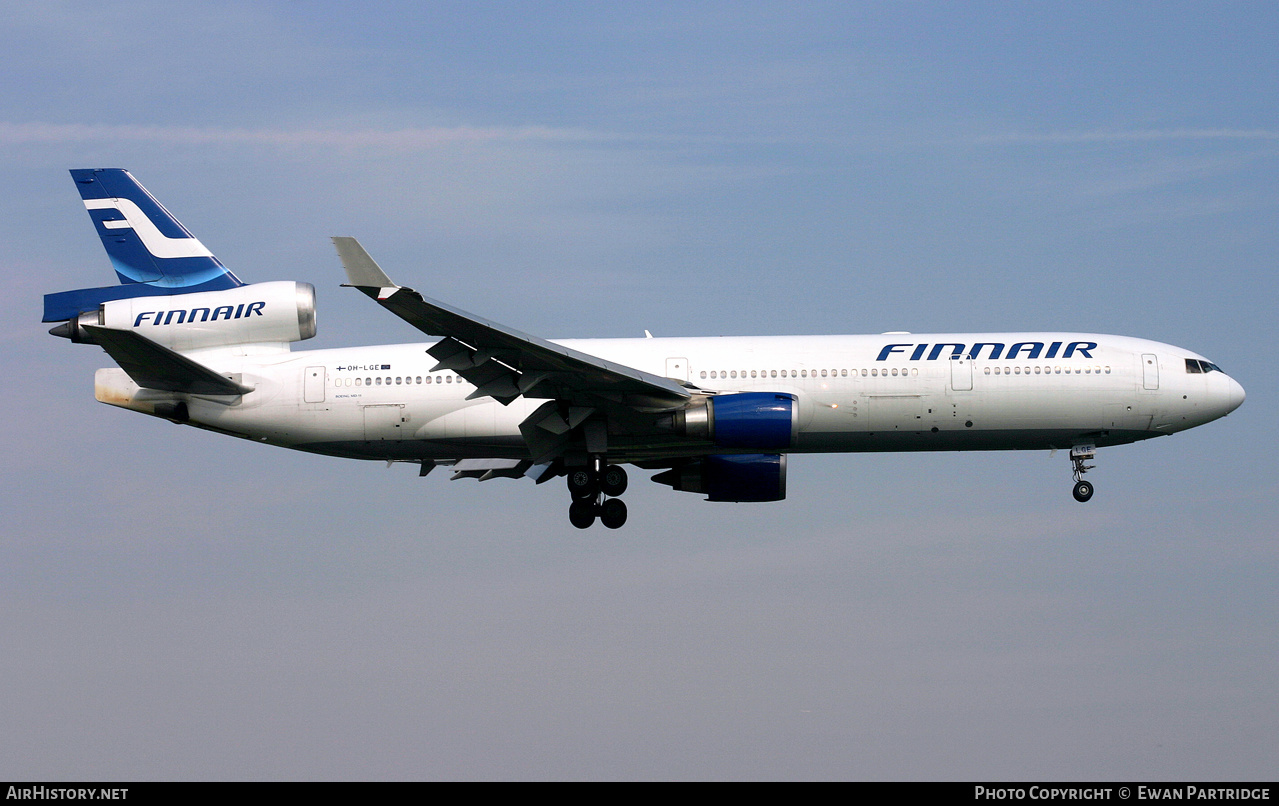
<point x="361" y="270"/>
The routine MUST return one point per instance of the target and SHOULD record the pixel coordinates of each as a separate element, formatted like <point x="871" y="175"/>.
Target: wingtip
<point x="362" y="270"/>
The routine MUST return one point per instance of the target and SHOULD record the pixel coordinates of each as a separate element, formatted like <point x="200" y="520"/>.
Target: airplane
<point x="713" y="416"/>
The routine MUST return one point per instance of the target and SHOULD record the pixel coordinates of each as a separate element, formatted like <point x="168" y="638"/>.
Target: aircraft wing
<point x="502" y="362"/>
<point x="590" y="401"/>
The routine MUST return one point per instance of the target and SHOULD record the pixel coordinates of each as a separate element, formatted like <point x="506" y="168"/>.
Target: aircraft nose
<point x="1234" y="396"/>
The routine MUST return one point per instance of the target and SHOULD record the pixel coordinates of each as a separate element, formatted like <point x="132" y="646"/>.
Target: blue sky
<point x="178" y="605"/>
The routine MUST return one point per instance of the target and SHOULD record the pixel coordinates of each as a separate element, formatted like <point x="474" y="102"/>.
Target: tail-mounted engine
<point x="261" y="313"/>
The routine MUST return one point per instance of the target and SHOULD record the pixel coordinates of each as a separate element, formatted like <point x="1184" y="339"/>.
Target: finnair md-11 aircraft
<point x="716" y="416"/>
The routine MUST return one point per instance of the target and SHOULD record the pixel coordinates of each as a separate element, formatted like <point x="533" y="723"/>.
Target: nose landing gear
<point x="589" y="488"/>
<point x="1078" y="455"/>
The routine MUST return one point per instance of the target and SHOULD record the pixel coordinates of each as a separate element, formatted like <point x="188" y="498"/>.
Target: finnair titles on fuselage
<point x="715" y="416"/>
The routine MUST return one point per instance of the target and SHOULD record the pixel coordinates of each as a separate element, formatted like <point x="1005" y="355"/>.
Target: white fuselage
<point x="855" y="393"/>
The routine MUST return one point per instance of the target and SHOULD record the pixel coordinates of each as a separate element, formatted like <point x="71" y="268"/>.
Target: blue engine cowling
<point x="731" y="477"/>
<point x="759" y="421"/>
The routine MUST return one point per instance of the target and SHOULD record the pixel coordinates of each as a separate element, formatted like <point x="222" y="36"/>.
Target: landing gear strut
<point x="1078" y="455"/>
<point x="589" y="487"/>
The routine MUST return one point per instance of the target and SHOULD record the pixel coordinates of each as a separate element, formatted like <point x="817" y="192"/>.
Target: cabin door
<point x="961" y="373"/>
<point x="313" y="385"/>
<point x="1150" y="371"/>
<point x="677" y="368"/>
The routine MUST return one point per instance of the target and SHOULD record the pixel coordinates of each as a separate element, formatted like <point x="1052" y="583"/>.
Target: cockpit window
<point x="1196" y="367"/>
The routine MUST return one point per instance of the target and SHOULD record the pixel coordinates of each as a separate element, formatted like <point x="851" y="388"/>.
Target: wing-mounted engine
<point x="261" y="313"/>
<point x="736" y="477"/>
<point x="747" y="420"/>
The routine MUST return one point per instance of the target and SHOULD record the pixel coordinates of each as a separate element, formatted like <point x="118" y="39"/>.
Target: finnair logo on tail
<point x="156" y="242"/>
<point x="206" y="314"/>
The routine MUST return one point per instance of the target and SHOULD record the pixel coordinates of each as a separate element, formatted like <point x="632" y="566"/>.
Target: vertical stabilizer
<point x="153" y="254"/>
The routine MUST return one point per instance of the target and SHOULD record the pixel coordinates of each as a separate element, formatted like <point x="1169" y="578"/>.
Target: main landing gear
<point x="595" y="490"/>
<point x="1078" y="455"/>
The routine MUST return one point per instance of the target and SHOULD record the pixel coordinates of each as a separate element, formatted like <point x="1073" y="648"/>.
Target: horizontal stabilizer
<point x="153" y="366"/>
<point x="64" y="305"/>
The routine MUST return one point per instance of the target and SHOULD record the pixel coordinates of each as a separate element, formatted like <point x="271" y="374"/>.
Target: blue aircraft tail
<point x="153" y="254"/>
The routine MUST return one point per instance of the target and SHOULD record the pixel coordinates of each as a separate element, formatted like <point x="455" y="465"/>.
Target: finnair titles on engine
<point x="714" y="416"/>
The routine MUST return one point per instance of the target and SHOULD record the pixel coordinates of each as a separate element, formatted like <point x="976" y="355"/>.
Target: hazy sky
<point x="175" y="604"/>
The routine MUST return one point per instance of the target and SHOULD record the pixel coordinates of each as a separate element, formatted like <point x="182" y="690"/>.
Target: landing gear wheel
<point x="613" y="513"/>
<point x="613" y="480"/>
<point x="1083" y="491"/>
<point x="582" y="514"/>
<point x="582" y="484"/>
